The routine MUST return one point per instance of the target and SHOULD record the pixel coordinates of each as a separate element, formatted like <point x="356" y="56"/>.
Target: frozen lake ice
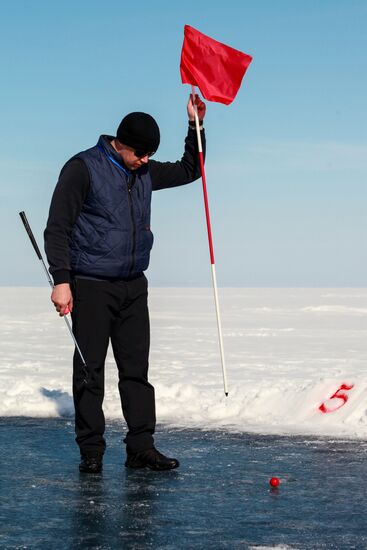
<point x="220" y="496"/>
<point x="288" y="351"/>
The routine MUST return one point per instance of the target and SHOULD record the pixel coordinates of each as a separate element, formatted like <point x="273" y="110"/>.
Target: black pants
<point x="105" y="310"/>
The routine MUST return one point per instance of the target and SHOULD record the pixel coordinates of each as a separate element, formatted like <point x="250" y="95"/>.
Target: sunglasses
<point x="140" y="153"/>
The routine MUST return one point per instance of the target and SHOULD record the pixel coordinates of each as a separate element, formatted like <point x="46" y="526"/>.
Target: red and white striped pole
<point x="211" y="250"/>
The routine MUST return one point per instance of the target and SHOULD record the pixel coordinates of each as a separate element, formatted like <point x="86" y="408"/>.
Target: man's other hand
<point x="62" y="299"/>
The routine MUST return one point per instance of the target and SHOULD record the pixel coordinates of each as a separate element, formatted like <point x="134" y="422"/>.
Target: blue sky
<point x="287" y="161"/>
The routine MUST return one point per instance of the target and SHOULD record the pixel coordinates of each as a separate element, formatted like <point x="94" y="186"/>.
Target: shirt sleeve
<point x="66" y="204"/>
<point x="173" y="174"/>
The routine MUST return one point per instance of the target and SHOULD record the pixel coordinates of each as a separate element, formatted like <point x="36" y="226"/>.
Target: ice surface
<point x="287" y="352"/>
<point x="219" y="498"/>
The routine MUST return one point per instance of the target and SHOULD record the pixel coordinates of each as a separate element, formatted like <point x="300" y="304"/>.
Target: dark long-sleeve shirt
<point x="73" y="186"/>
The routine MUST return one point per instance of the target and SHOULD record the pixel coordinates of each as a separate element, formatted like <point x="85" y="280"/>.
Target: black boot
<point x="91" y="464"/>
<point x="151" y="458"/>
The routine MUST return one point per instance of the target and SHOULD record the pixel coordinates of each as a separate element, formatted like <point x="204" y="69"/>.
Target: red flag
<point x="215" y="68"/>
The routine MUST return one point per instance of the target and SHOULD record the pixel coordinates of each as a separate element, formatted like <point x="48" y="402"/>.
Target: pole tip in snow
<point x="226" y="394"/>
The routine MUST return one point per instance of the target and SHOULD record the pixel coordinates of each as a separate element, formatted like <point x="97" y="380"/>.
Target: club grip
<point x="27" y="227"/>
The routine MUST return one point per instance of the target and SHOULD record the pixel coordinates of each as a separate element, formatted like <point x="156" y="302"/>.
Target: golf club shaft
<point x="39" y="255"/>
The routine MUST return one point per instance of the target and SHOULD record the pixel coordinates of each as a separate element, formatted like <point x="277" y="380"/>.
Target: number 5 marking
<point x="339" y="394"/>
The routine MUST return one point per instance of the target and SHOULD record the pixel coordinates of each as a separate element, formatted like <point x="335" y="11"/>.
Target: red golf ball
<point x="274" y="482"/>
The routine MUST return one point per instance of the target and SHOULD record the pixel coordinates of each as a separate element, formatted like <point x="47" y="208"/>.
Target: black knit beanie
<point x="140" y="131"/>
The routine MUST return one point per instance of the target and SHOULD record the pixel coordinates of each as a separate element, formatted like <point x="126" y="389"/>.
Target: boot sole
<point x="153" y="468"/>
<point x="88" y="471"/>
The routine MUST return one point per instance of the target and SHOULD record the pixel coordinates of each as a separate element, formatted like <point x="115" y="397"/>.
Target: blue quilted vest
<point x="111" y="237"/>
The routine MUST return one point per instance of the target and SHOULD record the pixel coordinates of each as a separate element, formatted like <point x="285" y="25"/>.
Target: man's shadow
<point x="64" y="401"/>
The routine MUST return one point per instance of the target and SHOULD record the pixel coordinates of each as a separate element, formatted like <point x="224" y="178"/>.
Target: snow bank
<point x="288" y="351"/>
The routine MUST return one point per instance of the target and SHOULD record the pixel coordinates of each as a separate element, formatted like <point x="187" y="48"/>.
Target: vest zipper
<point x="130" y="185"/>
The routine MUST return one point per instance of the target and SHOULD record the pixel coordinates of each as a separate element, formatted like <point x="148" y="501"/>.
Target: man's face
<point x="131" y="159"/>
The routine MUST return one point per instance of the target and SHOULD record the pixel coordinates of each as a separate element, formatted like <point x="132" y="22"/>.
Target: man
<point x="98" y="242"/>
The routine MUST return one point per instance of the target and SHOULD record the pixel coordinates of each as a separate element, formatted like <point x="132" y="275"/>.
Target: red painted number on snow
<point x="339" y="394"/>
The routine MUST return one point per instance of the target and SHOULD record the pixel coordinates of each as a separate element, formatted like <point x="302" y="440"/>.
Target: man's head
<point x="137" y="139"/>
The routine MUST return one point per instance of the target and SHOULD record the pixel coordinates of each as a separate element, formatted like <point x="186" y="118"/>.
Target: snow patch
<point x="287" y="351"/>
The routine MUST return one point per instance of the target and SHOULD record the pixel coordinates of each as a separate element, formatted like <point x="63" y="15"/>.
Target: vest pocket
<point x="144" y="246"/>
<point x="148" y="238"/>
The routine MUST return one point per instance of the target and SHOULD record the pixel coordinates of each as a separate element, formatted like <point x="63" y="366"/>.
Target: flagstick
<point x="214" y="277"/>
